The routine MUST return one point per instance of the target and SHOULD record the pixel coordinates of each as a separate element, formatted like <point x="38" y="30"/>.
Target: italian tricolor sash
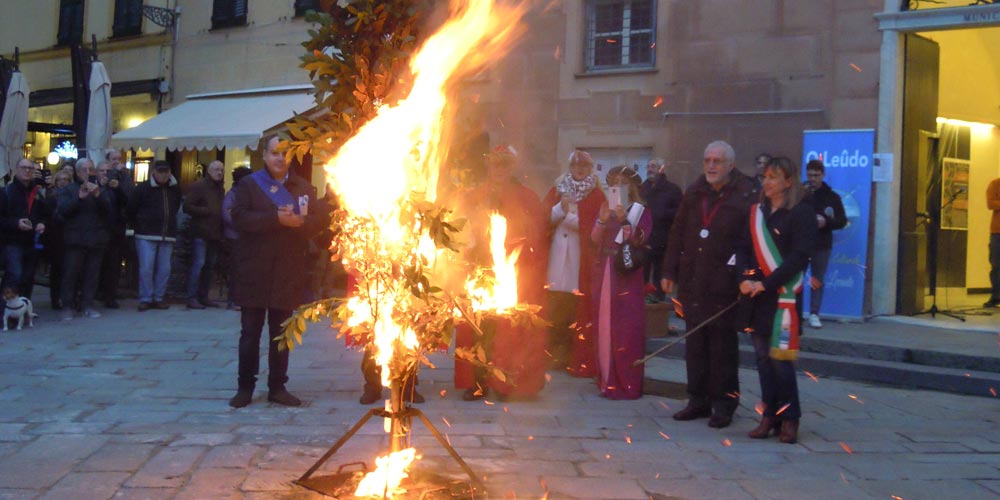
<point x="785" y="327"/>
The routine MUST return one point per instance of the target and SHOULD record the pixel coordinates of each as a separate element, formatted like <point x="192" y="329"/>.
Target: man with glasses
<point x="22" y="222"/>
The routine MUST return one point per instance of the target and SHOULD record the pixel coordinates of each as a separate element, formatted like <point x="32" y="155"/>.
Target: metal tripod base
<point x="334" y="485"/>
<point x="933" y="311"/>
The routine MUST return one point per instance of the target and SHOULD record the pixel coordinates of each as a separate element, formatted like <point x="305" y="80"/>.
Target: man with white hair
<point x="85" y="232"/>
<point x="701" y="262"/>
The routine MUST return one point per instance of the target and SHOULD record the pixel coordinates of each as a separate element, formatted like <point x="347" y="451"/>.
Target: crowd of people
<point x="730" y="252"/>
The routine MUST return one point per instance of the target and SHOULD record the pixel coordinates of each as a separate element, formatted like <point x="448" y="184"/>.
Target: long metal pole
<point x="686" y="335"/>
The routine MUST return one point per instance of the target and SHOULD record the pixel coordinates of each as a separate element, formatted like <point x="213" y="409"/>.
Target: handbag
<point x="630" y="256"/>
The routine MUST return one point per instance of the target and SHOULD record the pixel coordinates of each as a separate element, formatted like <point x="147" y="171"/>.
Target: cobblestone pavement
<point x="133" y="405"/>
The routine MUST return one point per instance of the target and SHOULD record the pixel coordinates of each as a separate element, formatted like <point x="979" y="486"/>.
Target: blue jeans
<point x="817" y="266"/>
<point x="20" y="260"/>
<point x="154" y="268"/>
<point x="779" y="389"/>
<point x="204" y="253"/>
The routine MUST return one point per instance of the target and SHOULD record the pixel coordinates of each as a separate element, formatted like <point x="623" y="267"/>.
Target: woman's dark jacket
<point x="85" y="221"/>
<point x="795" y="233"/>
<point x="270" y="258"/>
<point x="14" y="207"/>
<point x="708" y="270"/>
<point x="152" y="209"/>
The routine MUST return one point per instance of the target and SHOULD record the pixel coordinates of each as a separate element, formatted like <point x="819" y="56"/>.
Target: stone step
<point x="983" y="383"/>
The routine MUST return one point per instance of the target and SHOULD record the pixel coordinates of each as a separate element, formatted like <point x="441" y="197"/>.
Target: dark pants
<point x="204" y="254"/>
<point x="111" y="268"/>
<point x="81" y="271"/>
<point x="561" y="313"/>
<point x="712" y="356"/>
<point x="57" y="262"/>
<point x="654" y="270"/>
<point x="228" y="259"/>
<point x="20" y="260"/>
<point x="817" y="267"/>
<point x="995" y="267"/>
<point x="779" y="389"/>
<point x="252" y="325"/>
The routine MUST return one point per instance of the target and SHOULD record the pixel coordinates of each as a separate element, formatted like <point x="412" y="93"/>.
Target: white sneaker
<point x="90" y="313"/>
<point x="814" y="321"/>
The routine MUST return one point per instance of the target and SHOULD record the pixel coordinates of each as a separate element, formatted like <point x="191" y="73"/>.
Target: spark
<point x="611" y="40"/>
<point x="505" y="410"/>
<point x="577" y="292"/>
<point x="657" y="476"/>
<point x="658" y="101"/>
<point x="734" y="395"/>
<point x="607" y="456"/>
<point x="852" y="396"/>
<point x="501" y="123"/>
<point x="572" y="326"/>
<point x="782" y="409"/>
<point x="629" y="426"/>
<point x="443" y="392"/>
<point x="446" y="422"/>
<point x="491" y="403"/>
<point x="968" y="375"/>
<point x="628" y="440"/>
<point x="531" y="438"/>
<point x="727" y="443"/>
<point x="665" y="436"/>
<point x="759" y="407"/>
<point x="843" y="477"/>
<point x="810" y="375"/>
<point x="993" y="392"/>
<point x="447" y="438"/>
<point x="664" y="405"/>
<point x="548" y="377"/>
<point x="856" y="68"/>
<point x="547" y="353"/>
<point x="847" y="448"/>
<point x="894" y="497"/>
<point x="557" y="52"/>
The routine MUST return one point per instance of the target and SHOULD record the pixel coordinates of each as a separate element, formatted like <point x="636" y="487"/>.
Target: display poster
<point x="848" y="159"/>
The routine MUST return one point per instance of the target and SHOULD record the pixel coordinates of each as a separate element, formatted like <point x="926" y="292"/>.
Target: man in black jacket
<point x="152" y="210"/>
<point x="85" y="233"/>
<point x="701" y="261"/>
<point x="830" y="216"/>
<point x="22" y="221"/>
<point x="116" y="183"/>
<point x="275" y="214"/>
<point x="662" y="197"/>
<point x="204" y="204"/>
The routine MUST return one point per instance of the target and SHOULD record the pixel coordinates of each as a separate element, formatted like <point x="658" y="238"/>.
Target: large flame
<point x="502" y="296"/>
<point x="394" y="159"/>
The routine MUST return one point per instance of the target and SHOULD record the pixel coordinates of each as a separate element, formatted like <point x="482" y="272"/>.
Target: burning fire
<point x="383" y="176"/>
<point x="503" y="295"/>
<point x="389" y="472"/>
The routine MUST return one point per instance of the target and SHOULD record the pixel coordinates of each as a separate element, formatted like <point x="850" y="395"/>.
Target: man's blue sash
<point x="274" y="190"/>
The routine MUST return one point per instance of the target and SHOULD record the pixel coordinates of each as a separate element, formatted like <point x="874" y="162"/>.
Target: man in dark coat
<point x="702" y="262"/>
<point x="22" y="221"/>
<point x="830" y="216"/>
<point x="275" y="214"/>
<point x="85" y="212"/>
<point x="116" y="182"/>
<point x="204" y="204"/>
<point x="662" y="197"/>
<point x="152" y="209"/>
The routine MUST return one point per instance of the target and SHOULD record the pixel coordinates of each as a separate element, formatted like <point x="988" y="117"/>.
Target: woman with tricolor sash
<point x="783" y="233"/>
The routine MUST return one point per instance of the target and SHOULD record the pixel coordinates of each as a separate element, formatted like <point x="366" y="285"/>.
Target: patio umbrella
<point x="99" y="113"/>
<point x="14" y="123"/>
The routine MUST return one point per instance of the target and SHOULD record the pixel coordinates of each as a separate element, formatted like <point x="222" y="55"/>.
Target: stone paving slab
<point x="134" y="406"/>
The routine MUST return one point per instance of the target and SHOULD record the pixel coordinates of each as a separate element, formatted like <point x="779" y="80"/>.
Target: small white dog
<point x="17" y="307"/>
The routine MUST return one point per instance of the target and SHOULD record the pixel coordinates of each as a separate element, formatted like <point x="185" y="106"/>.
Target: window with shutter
<point x="620" y="34"/>
<point x="229" y="13"/>
<point x="70" y="22"/>
<point x="128" y="18"/>
<point x="302" y="6"/>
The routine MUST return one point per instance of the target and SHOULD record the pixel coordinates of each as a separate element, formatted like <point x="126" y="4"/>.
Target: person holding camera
<point x="116" y="181"/>
<point x="85" y="211"/>
<point x="22" y="222"/>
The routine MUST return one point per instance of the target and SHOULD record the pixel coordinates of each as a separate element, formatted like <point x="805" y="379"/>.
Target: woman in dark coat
<point x="783" y="233"/>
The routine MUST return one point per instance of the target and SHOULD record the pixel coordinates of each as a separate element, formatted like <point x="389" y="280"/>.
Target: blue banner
<point x="847" y="156"/>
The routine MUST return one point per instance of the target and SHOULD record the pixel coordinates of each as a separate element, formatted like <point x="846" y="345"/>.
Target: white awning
<point x="219" y="120"/>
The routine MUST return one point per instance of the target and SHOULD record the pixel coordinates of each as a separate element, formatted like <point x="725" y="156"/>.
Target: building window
<point x="620" y="34"/>
<point x="70" y="22"/>
<point x="303" y="6"/>
<point x="227" y="13"/>
<point x="128" y="18"/>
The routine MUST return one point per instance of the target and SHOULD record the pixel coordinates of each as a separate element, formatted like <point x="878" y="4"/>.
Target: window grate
<point x="620" y="34"/>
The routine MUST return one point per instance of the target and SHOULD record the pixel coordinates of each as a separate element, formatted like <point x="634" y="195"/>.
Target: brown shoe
<point x="789" y="431"/>
<point x="767" y="424"/>
<point x="691" y="412"/>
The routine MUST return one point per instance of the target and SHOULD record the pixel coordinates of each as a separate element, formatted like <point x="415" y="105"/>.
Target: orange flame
<point x="389" y="472"/>
<point x="503" y="295"/>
